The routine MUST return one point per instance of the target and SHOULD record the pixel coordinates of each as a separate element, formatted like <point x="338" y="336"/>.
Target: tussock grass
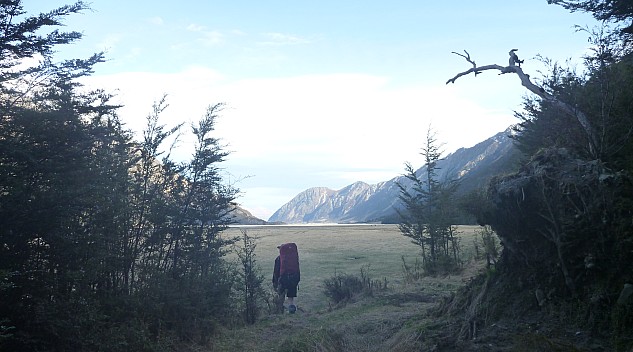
<point x="325" y="251"/>
<point x="393" y="319"/>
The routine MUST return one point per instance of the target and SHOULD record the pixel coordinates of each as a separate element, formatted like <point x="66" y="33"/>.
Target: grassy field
<point x="326" y="250"/>
<point x="427" y="314"/>
<point x="390" y="320"/>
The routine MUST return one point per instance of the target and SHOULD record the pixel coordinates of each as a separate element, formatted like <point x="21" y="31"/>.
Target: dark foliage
<point x="105" y="244"/>
<point x="429" y="213"/>
<point x="564" y="218"/>
<point x="250" y="280"/>
<point x="604" y="10"/>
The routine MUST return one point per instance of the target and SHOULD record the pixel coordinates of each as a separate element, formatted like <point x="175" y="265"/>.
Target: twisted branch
<point x="527" y="83"/>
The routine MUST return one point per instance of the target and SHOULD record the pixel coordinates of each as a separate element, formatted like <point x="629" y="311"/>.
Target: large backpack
<point x="288" y="259"/>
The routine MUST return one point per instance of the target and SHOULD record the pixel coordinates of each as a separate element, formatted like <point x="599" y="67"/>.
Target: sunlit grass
<point x="327" y="250"/>
<point x="395" y="319"/>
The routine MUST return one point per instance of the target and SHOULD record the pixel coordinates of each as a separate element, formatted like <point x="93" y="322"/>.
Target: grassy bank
<point x="394" y="319"/>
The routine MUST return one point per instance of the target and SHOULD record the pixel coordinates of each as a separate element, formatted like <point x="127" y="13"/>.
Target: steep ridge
<point x="361" y="202"/>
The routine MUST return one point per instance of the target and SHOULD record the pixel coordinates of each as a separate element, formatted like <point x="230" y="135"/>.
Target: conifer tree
<point x="429" y="211"/>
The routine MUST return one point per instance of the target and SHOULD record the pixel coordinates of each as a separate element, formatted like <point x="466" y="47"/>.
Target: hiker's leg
<point x="291" y="294"/>
<point x="293" y="282"/>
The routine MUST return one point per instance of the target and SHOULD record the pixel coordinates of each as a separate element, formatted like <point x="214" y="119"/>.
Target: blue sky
<point x="320" y="93"/>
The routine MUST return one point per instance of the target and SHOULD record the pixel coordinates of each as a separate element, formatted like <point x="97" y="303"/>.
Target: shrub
<point x="342" y="287"/>
<point x="489" y="244"/>
<point x="412" y="272"/>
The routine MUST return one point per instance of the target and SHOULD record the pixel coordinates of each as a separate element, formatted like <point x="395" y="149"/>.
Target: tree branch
<point x="582" y="119"/>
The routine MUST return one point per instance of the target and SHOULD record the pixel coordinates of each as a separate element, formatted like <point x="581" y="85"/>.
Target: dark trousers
<point x="288" y="283"/>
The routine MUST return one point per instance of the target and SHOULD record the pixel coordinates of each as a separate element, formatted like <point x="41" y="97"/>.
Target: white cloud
<point x="110" y="42"/>
<point x="237" y="32"/>
<point x="212" y="38"/>
<point x="279" y="39"/>
<point x="348" y="127"/>
<point x="353" y="120"/>
<point x="134" y="53"/>
<point x="193" y="27"/>
<point x="137" y="91"/>
<point x="208" y="38"/>
<point x="157" y="20"/>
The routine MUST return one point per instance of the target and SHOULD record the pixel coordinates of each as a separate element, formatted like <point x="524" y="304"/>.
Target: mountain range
<point x="360" y="202"/>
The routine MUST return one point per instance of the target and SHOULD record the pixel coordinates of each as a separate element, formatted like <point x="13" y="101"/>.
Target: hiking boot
<point x="292" y="309"/>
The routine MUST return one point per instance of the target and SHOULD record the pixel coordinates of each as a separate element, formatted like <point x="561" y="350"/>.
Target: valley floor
<point x="403" y="319"/>
<point x="390" y="320"/>
<point x="429" y="314"/>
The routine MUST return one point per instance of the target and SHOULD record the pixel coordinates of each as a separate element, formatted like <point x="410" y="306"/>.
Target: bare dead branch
<point x="527" y="83"/>
<point x="478" y="70"/>
<point x="467" y="57"/>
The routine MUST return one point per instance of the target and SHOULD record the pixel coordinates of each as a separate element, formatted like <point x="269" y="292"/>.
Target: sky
<point x="319" y="93"/>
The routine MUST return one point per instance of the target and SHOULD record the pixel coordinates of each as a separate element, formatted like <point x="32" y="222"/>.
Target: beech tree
<point x="27" y="65"/>
<point x="60" y="173"/>
<point x="105" y="243"/>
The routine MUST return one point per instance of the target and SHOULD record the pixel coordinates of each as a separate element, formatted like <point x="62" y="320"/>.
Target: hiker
<point x="286" y="274"/>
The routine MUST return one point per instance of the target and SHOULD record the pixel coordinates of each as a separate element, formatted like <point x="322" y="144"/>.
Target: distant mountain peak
<point x="362" y="202"/>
